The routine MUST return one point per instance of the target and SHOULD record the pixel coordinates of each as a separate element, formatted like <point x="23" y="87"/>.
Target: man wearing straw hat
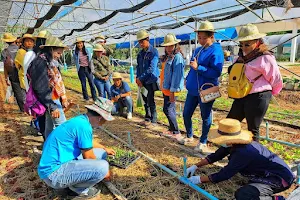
<point x="267" y="173"/>
<point x="10" y="71"/>
<point x="147" y="74"/>
<point x="71" y="159"/>
<point x="121" y="95"/>
<point x="100" y="39"/>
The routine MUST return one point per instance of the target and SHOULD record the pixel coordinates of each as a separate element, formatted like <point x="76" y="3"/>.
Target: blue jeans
<point x="190" y="105"/>
<point x="170" y="112"/>
<point x="83" y="73"/>
<point x="103" y="88"/>
<point x="52" y="123"/>
<point x="150" y="107"/>
<point x="122" y="102"/>
<point x="81" y="174"/>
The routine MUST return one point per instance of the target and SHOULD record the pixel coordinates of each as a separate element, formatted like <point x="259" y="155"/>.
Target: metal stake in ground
<point x="184" y="166"/>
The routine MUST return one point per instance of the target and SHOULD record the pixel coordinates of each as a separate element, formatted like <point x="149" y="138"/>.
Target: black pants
<point x="19" y="93"/>
<point x="83" y="73"/>
<point x="150" y="106"/>
<point x="253" y="107"/>
<point x="257" y="191"/>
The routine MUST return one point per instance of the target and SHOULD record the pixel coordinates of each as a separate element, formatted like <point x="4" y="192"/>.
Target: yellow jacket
<point x="19" y="62"/>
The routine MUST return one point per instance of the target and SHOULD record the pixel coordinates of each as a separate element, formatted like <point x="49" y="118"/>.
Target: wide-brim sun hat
<point x="170" y="39"/>
<point x="8" y="37"/>
<point x="79" y="39"/>
<point x="229" y="131"/>
<point x="117" y="75"/>
<point x="99" y="37"/>
<point x="206" y="26"/>
<point x="103" y="107"/>
<point x="249" y="32"/>
<point x="44" y="34"/>
<point x="142" y="34"/>
<point x="53" y="42"/>
<point x="99" y="47"/>
<point x="28" y="36"/>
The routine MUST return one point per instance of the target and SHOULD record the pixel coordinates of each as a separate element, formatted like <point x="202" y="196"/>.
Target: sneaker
<point x="202" y="148"/>
<point x="177" y="136"/>
<point x="93" y="192"/>
<point x="39" y="134"/>
<point x="129" y="115"/>
<point x="186" y="141"/>
<point x="144" y="123"/>
<point x="167" y="133"/>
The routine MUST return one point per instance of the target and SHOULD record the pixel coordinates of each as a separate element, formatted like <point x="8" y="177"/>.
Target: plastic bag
<point x="9" y="94"/>
<point x="139" y="102"/>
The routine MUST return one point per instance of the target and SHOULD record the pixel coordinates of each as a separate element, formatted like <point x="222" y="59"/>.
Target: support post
<point x="196" y="37"/>
<point x="267" y="130"/>
<point x="294" y="42"/>
<point x="184" y="167"/>
<point x="129" y="139"/>
<point x="131" y="66"/>
<point x="298" y="174"/>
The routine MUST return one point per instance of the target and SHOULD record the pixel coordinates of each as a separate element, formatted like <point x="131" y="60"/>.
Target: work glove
<point x="191" y="170"/>
<point x="195" y="179"/>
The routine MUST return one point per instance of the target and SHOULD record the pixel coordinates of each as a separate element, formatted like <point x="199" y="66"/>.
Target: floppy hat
<point x="101" y="37"/>
<point x="29" y="36"/>
<point x="43" y="34"/>
<point x="229" y="132"/>
<point x="99" y="47"/>
<point x="142" y="34"/>
<point x="53" y="42"/>
<point x="206" y="26"/>
<point x="103" y="107"/>
<point x="170" y="39"/>
<point x="249" y="32"/>
<point x="79" y="39"/>
<point x="8" y="37"/>
<point x="117" y="75"/>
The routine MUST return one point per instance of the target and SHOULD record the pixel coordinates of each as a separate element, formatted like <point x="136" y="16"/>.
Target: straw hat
<point x="99" y="47"/>
<point x="53" y="42"/>
<point x="79" y="39"/>
<point x="142" y="34"/>
<point x="230" y="132"/>
<point x="117" y="75"/>
<point x="8" y="37"/>
<point x="101" y="37"/>
<point x="249" y="32"/>
<point x="29" y="36"/>
<point x="103" y="107"/>
<point x="43" y="34"/>
<point x="206" y="26"/>
<point x="170" y="39"/>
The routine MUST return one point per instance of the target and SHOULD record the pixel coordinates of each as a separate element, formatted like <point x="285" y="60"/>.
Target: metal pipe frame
<point x="182" y="179"/>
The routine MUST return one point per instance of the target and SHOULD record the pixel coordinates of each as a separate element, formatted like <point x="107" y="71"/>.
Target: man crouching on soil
<point x="71" y="159"/>
<point x="267" y="173"/>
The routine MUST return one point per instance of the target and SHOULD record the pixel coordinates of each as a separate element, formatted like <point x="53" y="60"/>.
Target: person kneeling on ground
<point x="71" y="159"/>
<point x="121" y="96"/>
<point x="268" y="174"/>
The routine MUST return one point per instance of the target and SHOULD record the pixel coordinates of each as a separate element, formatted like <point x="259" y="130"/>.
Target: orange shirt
<point x="162" y="75"/>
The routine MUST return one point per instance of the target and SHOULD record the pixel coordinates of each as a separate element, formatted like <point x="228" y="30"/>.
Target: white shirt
<point x="29" y="56"/>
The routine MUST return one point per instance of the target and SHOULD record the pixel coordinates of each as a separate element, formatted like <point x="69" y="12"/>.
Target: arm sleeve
<point x="152" y="67"/>
<point x="236" y="164"/>
<point x="221" y="153"/>
<point x="271" y="73"/>
<point x="214" y="69"/>
<point x="85" y="139"/>
<point x="177" y="74"/>
<point x="40" y="85"/>
<point x="112" y="91"/>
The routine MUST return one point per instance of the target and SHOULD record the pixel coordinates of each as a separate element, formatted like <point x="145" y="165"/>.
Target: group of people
<point x="73" y="162"/>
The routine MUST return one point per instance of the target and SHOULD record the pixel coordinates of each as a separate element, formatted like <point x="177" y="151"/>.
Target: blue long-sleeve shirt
<point x="147" y="70"/>
<point x="210" y="63"/>
<point x="254" y="161"/>
<point x="174" y="73"/>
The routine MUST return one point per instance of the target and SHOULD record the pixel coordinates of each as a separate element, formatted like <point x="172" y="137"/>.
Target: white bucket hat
<point x="206" y="26"/>
<point x="142" y="34"/>
<point x="170" y="39"/>
<point x="249" y="32"/>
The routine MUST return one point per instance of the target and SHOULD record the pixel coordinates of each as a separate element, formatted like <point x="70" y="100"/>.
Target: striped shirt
<point x="83" y="59"/>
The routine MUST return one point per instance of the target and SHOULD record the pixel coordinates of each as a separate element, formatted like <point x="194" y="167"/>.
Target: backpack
<point x="239" y="85"/>
<point x="32" y="105"/>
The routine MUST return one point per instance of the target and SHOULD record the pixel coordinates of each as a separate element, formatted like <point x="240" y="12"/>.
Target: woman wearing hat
<point x="48" y="85"/>
<point x="83" y="58"/>
<point x="205" y="67"/>
<point x="262" y="71"/>
<point x="121" y="96"/>
<point x="102" y="71"/>
<point x="171" y="81"/>
<point x="267" y="173"/>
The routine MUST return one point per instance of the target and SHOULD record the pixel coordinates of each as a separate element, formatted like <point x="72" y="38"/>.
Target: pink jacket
<point x="271" y="78"/>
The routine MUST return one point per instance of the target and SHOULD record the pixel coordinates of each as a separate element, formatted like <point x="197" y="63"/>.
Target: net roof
<point x="116" y="19"/>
